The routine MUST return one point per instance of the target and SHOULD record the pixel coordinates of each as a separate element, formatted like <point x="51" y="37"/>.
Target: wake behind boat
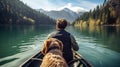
<point x="36" y="61"/>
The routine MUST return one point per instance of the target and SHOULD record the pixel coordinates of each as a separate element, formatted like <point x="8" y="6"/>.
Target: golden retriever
<point x="53" y="54"/>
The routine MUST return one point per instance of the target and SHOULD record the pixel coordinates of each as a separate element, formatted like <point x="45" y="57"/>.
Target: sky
<point x="75" y="5"/>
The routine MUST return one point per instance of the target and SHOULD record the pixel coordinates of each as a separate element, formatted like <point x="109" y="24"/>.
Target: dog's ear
<point x="46" y="46"/>
<point x="61" y="44"/>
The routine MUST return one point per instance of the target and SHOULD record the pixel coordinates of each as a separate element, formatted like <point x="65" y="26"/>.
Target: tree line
<point x="106" y="14"/>
<point x="16" y="12"/>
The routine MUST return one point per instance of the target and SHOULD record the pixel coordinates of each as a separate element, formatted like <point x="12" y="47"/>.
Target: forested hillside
<point x="106" y="14"/>
<point x="16" y="12"/>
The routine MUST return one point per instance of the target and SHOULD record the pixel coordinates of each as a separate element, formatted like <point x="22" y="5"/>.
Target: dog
<point x="52" y="50"/>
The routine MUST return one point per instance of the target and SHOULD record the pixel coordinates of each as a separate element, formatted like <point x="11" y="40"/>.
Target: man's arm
<point x="74" y="43"/>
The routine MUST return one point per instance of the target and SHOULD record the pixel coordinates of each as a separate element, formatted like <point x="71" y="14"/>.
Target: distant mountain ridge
<point x="66" y="13"/>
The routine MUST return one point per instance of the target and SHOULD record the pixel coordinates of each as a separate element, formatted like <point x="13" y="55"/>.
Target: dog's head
<point x="52" y="42"/>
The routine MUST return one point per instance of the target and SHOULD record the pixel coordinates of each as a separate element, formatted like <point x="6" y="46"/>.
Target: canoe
<point x="36" y="60"/>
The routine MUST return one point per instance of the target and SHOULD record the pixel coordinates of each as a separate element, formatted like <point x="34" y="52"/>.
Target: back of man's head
<point x="61" y="23"/>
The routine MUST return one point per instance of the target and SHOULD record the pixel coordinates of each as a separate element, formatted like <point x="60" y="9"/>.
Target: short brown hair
<point x="61" y="23"/>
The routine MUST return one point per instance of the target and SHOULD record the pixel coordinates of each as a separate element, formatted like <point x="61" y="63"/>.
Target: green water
<point x="99" y="45"/>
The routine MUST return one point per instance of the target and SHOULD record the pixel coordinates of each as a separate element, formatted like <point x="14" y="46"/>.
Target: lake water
<point x="99" y="45"/>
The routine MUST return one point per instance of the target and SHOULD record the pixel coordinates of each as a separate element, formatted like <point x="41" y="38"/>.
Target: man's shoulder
<point x="52" y="34"/>
<point x="67" y="32"/>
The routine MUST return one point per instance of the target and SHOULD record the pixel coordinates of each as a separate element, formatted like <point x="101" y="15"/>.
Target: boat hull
<point x="36" y="61"/>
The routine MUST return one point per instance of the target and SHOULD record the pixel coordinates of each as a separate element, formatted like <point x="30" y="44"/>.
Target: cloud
<point x="76" y="5"/>
<point x="87" y="4"/>
<point x="37" y="4"/>
<point x="73" y="8"/>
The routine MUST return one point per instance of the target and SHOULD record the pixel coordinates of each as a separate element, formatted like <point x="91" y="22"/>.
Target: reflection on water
<point x="106" y="36"/>
<point x="20" y="42"/>
<point x="7" y="61"/>
<point x="99" y="45"/>
<point x="13" y="37"/>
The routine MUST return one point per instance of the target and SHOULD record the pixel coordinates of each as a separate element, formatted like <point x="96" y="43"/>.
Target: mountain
<point x="66" y="13"/>
<point x="16" y="12"/>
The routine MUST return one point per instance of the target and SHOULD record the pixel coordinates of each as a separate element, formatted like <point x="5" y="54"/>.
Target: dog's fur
<point x="53" y="57"/>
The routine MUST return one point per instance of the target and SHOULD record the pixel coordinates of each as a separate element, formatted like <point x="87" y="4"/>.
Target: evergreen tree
<point x="16" y="12"/>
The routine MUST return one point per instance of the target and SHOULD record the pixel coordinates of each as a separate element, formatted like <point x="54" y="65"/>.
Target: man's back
<point x="64" y="36"/>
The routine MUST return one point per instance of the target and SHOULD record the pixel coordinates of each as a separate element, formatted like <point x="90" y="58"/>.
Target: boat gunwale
<point x="76" y="54"/>
<point x="29" y="59"/>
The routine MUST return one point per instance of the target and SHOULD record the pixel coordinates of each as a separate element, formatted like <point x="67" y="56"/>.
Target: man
<point x="68" y="40"/>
